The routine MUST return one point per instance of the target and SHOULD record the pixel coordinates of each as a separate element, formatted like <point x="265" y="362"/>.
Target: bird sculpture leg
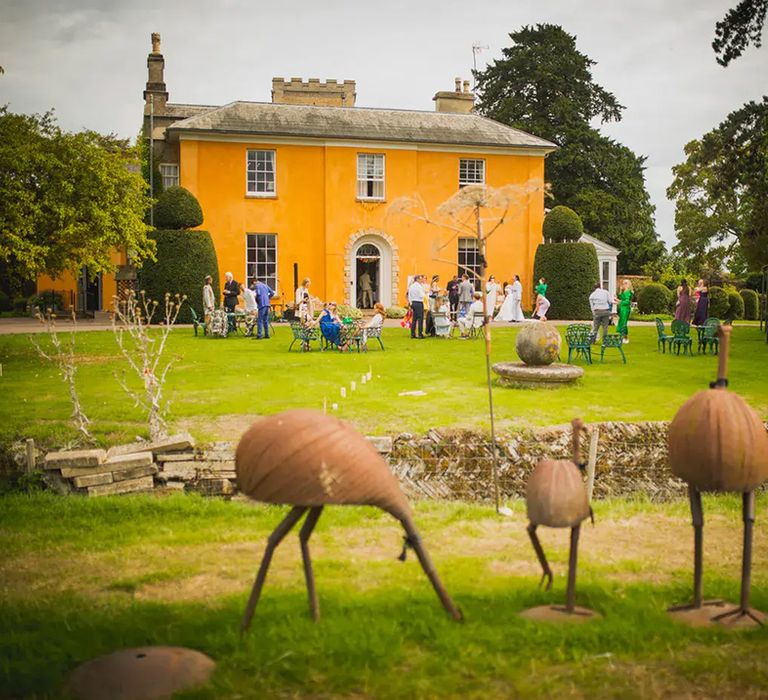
<point x="748" y="501"/>
<point x="547" y="575"/>
<point x="414" y="540"/>
<point x="570" y="595"/>
<point x="272" y="541"/>
<point x="304" y="535"/>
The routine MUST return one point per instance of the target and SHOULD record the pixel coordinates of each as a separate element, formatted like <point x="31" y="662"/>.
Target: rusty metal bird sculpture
<point x="309" y="460"/>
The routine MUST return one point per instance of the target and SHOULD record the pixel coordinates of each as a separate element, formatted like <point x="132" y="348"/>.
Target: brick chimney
<point x="331" y="93"/>
<point x="155" y="90"/>
<point x="460" y="101"/>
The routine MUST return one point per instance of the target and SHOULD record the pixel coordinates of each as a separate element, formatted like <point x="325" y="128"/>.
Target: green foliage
<point x="5" y="302"/>
<point x="741" y="26"/>
<point x="562" y="225"/>
<point x="654" y="298"/>
<point x="345" y="311"/>
<point x="184" y="258"/>
<point x="721" y="192"/>
<point x="47" y="299"/>
<point x="751" y="304"/>
<point x="66" y="200"/>
<point x="571" y="271"/>
<point x="544" y="85"/>
<point x="395" y="312"/>
<point x="718" y="302"/>
<point x="177" y="208"/>
<point x="735" y="305"/>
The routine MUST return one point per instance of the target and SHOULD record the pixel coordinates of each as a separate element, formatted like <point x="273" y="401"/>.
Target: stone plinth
<point x="518" y="374"/>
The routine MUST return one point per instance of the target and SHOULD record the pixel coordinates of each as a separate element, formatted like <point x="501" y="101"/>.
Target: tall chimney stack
<point x="155" y="92"/>
<point x="457" y="101"/>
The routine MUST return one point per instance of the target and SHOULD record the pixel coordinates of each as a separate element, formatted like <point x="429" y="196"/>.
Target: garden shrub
<point x="5" y="302"/>
<point x="735" y="305"/>
<point x="177" y="208"/>
<point x="48" y="299"/>
<point x="184" y="258"/>
<point x="345" y="311"/>
<point x="562" y="225"/>
<point x="654" y="298"/>
<point x="718" y="303"/>
<point x="571" y="271"/>
<point x="395" y="312"/>
<point x="751" y="304"/>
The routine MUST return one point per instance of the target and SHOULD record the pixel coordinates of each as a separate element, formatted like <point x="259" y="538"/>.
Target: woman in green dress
<point x="624" y="301"/>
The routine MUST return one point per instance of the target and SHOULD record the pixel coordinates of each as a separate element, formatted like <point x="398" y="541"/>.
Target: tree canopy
<point x="721" y="192"/>
<point x="544" y="85"/>
<point x="741" y="26"/>
<point x="67" y="200"/>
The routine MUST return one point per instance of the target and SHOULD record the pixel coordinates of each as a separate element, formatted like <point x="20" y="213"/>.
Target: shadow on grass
<point x="383" y="644"/>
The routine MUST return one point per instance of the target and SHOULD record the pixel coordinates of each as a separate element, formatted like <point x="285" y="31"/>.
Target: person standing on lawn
<point x="517" y="300"/>
<point x="453" y="296"/>
<point x="542" y="303"/>
<point x="263" y="294"/>
<point x="683" y="311"/>
<point x="251" y="309"/>
<point x="231" y="292"/>
<point x="466" y="294"/>
<point x="624" y="301"/>
<point x="491" y="296"/>
<point x="209" y="301"/>
<point x="600" y="303"/>
<point x="416" y="302"/>
<point x="702" y="304"/>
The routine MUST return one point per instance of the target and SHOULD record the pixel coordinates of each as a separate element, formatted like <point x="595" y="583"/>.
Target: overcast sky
<point x="87" y="58"/>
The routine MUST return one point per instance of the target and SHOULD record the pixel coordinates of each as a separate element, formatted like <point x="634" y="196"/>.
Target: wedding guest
<point x="231" y="291"/>
<point x="263" y="294"/>
<point x="600" y="303"/>
<point x="517" y="304"/>
<point x="466" y="294"/>
<point x="624" y="301"/>
<point x="702" y="304"/>
<point x="474" y="317"/>
<point x="416" y="302"/>
<point x="301" y="290"/>
<point x="453" y="295"/>
<point x="251" y="309"/>
<point x="209" y="300"/>
<point x="442" y="320"/>
<point x="305" y="312"/>
<point x="683" y="311"/>
<point x="506" y="311"/>
<point x="542" y="303"/>
<point x="330" y="325"/>
<point x="434" y="291"/>
<point x="491" y="295"/>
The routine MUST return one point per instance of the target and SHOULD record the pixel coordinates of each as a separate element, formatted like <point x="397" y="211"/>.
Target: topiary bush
<point x="654" y="298"/>
<point x="345" y="311"/>
<point x="751" y="304"/>
<point x="177" y="208"/>
<point x="562" y="225"/>
<point x="571" y="271"/>
<point x="395" y="312"/>
<point x="5" y="302"/>
<point x="718" y="303"/>
<point x="735" y="305"/>
<point x="184" y="258"/>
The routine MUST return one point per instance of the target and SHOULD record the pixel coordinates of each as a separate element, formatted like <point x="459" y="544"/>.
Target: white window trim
<point x="277" y="256"/>
<point x="466" y="184"/>
<point x="383" y="197"/>
<point x="163" y="176"/>
<point x="260" y="195"/>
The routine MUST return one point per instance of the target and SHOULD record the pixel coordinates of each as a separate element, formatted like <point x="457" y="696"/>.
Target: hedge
<point x="184" y="258"/>
<point x="654" y="298"/>
<point x="751" y="304"/>
<point x="177" y="208"/>
<point x="562" y="225"/>
<point x="346" y="311"/>
<point x="571" y="271"/>
<point x="395" y="312"/>
<point x="735" y="305"/>
<point x="5" y="302"/>
<point x="718" y="303"/>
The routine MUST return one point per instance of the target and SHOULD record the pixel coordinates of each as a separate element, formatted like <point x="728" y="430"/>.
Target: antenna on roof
<point x="477" y="47"/>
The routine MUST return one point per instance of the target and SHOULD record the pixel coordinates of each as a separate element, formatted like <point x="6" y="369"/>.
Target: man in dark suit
<point x="453" y="296"/>
<point x="231" y="291"/>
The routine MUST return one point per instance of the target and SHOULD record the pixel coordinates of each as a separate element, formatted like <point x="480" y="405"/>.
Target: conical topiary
<point x="177" y="208"/>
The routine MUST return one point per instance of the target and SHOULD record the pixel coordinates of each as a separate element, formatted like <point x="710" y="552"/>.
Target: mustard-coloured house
<point x="300" y="186"/>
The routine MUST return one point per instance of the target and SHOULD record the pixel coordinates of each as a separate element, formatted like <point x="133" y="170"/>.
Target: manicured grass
<point x="218" y="386"/>
<point x="85" y="577"/>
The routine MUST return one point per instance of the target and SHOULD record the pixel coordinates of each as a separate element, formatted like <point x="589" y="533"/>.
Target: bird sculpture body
<point x="557" y="497"/>
<point x="308" y="460"/>
<point x="718" y="443"/>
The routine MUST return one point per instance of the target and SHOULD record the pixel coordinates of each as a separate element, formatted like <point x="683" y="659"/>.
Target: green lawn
<point x="220" y="385"/>
<point x="85" y="577"/>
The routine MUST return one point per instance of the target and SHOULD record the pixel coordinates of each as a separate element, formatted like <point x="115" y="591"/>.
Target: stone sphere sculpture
<point x="538" y="344"/>
<point x="308" y="460"/>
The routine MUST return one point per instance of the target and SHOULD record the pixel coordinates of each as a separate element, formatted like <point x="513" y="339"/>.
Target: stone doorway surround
<point x="389" y="265"/>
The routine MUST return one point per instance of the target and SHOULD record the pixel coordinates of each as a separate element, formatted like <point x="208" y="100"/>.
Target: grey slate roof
<point x="184" y="111"/>
<point x="359" y="123"/>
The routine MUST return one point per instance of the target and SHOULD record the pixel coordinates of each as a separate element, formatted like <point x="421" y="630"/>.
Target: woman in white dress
<point x="301" y="291"/>
<point x="517" y="300"/>
<point x="506" y="310"/>
<point x="491" y="292"/>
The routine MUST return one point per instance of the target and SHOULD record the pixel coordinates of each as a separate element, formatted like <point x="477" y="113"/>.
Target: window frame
<point x="464" y="265"/>
<point x="163" y="176"/>
<point x="383" y="180"/>
<point x="463" y="183"/>
<point x="256" y="194"/>
<point x="249" y="278"/>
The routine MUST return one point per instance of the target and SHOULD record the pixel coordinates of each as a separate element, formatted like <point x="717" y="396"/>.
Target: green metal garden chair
<point x="578" y="337"/>
<point x="613" y="340"/>
<point x="681" y="337"/>
<point x="663" y="338"/>
<point x="708" y="336"/>
<point x="197" y="323"/>
<point x="303" y="335"/>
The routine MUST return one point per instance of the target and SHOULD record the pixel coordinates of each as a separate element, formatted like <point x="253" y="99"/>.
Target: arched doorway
<point x="371" y="272"/>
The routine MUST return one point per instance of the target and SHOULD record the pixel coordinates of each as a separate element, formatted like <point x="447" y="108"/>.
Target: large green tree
<point x="741" y="26"/>
<point x="67" y="200"/>
<point x="544" y="85"/>
<point x="721" y="192"/>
